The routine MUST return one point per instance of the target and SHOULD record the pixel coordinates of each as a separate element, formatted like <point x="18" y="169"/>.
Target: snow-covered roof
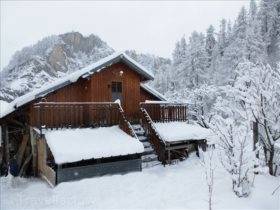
<point x="153" y="91"/>
<point x="88" y="143"/>
<point x="7" y="108"/>
<point x="179" y="131"/>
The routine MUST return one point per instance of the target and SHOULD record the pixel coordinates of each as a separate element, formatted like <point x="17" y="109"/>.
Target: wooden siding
<point x="100" y="87"/>
<point x="144" y="95"/>
<point x="97" y="88"/>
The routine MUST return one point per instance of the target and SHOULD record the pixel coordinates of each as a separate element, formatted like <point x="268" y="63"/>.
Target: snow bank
<point x="180" y="186"/>
<point x="71" y="145"/>
<point x="177" y="131"/>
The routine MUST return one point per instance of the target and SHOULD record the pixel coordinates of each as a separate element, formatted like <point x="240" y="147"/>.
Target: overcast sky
<point x="148" y="27"/>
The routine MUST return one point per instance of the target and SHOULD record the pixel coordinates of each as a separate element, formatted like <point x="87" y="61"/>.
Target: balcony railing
<point x="54" y="115"/>
<point x="165" y="112"/>
<point x="161" y="112"/>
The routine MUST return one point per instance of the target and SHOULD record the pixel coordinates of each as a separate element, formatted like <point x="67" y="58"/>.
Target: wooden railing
<point x="154" y="138"/>
<point x="161" y="112"/>
<point x="165" y="112"/>
<point x="125" y="124"/>
<point x="53" y="115"/>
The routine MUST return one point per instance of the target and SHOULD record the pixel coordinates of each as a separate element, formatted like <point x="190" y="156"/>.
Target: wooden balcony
<point x="54" y="115"/>
<point x="152" y="113"/>
<point x="165" y="112"/>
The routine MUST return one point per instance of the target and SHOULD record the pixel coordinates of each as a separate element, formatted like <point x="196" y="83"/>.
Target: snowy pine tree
<point x="210" y="44"/>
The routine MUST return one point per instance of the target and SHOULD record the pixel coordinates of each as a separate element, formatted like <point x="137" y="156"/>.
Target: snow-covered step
<point x="148" y="151"/>
<point x="139" y="132"/>
<point x="147" y="144"/>
<point x="149" y="158"/>
<point x="142" y="138"/>
<point x="150" y="164"/>
<point x="137" y="127"/>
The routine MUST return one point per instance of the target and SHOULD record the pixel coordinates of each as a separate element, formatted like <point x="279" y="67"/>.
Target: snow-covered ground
<point x="180" y="186"/>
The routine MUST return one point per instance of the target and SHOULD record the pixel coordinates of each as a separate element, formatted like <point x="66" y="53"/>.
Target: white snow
<point x="71" y="78"/>
<point x="5" y="108"/>
<point x="277" y="144"/>
<point x="180" y="186"/>
<point x="138" y="65"/>
<point x="177" y="131"/>
<point x="19" y="84"/>
<point x="71" y="145"/>
<point x="153" y="91"/>
<point x="156" y="102"/>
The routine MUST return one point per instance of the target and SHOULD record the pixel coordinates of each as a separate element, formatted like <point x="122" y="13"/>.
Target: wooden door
<point x="116" y="91"/>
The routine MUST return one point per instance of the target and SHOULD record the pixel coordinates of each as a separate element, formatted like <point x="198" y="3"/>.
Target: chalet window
<point x="116" y="88"/>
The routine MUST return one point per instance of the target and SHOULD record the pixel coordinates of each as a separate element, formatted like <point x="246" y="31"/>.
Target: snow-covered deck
<point x="71" y="145"/>
<point x="179" y="131"/>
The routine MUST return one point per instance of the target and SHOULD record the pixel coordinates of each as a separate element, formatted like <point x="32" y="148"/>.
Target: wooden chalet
<point x="111" y="92"/>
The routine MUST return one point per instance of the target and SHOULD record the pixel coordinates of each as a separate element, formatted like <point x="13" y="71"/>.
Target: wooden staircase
<point x="149" y="157"/>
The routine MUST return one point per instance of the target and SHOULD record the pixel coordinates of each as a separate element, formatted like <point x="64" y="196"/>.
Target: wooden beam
<point x="177" y="147"/>
<point x="21" y="150"/>
<point x="1" y="149"/>
<point x="24" y="165"/>
<point x="34" y="150"/>
<point x="16" y="122"/>
<point x="6" y="144"/>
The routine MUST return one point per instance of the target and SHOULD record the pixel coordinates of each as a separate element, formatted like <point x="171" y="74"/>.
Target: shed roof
<point x="184" y="131"/>
<point x="7" y="108"/>
<point x="88" y="143"/>
<point x="152" y="91"/>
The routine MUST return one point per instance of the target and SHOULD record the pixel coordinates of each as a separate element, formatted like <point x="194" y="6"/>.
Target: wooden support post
<point x="34" y="151"/>
<point x="6" y="145"/>
<point x="21" y="150"/>
<point x="1" y="145"/>
<point x="169" y="157"/>
<point x="24" y="165"/>
<point x="196" y="148"/>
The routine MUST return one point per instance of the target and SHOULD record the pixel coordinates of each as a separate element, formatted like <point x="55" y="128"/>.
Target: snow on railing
<point x="126" y="123"/>
<point x="165" y="111"/>
<point x="155" y="139"/>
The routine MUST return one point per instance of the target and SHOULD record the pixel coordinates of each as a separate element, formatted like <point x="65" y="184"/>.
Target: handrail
<point x="154" y="138"/>
<point x="150" y="121"/>
<point x="124" y="122"/>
